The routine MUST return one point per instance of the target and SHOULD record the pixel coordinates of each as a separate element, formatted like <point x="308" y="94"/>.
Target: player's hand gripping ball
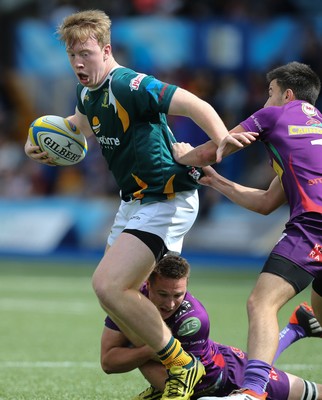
<point x="60" y="138"/>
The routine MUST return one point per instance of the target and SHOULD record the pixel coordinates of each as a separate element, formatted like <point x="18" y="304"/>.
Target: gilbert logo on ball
<point x="61" y="139"/>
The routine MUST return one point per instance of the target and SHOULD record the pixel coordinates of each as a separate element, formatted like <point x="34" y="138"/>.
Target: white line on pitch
<point x="49" y="364"/>
<point x="48" y="306"/>
<point x="296" y="367"/>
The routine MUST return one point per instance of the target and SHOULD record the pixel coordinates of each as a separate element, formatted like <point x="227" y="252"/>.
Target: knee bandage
<point x="310" y="391"/>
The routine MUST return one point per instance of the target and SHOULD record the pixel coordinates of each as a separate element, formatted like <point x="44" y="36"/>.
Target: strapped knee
<point x="310" y="391"/>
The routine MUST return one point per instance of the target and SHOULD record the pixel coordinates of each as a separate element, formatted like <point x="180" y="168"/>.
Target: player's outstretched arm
<point x="199" y="156"/>
<point x="209" y="153"/>
<point x="118" y="357"/>
<point x="237" y="140"/>
<point x="257" y="200"/>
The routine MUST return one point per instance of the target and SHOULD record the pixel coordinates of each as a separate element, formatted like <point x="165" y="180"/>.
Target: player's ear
<point x="289" y="95"/>
<point x="107" y="50"/>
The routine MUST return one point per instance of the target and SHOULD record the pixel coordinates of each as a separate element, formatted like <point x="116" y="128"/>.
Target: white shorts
<point x="169" y="219"/>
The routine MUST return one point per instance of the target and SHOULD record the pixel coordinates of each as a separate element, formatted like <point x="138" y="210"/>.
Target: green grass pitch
<point x="51" y="323"/>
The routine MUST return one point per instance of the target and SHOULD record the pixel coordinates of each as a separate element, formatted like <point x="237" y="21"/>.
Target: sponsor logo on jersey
<point x="194" y="173"/>
<point x="256" y="122"/>
<point x="316" y="253"/>
<point x="314" y="181"/>
<point x="108" y="142"/>
<point x="308" y="109"/>
<point x="135" y="82"/>
<point x="105" y="142"/>
<point x="304" y="130"/>
<point x="184" y="308"/>
<point x="314" y="122"/>
<point x="189" y="327"/>
<point x="96" y="125"/>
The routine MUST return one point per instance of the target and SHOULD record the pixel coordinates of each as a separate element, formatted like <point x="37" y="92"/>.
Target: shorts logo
<point x="273" y="375"/>
<point x="316" y="253"/>
<point x="239" y="353"/>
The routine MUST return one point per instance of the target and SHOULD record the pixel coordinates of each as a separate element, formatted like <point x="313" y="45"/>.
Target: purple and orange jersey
<point x="293" y="137"/>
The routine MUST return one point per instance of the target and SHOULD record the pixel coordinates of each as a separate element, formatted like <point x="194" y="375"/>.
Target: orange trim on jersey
<point x="308" y="204"/>
<point x="143" y="185"/>
<point x="219" y="360"/>
<point x="123" y="115"/>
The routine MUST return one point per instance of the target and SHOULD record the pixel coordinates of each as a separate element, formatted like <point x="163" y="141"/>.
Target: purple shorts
<point x="301" y="243"/>
<point x="236" y="360"/>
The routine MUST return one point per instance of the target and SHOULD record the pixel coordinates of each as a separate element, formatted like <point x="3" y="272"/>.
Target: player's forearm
<point x="200" y="156"/>
<point x="124" y="359"/>
<point x="249" y="198"/>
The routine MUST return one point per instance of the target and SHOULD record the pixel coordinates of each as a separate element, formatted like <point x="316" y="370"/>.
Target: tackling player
<point x="187" y="318"/>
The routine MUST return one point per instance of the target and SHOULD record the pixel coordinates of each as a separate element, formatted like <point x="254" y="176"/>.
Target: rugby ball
<point x="60" y="138"/>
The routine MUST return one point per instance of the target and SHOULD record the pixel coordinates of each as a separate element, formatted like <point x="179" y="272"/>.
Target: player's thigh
<point x="126" y="264"/>
<point x="271" y="290"/>
<point x="280" y="280"/>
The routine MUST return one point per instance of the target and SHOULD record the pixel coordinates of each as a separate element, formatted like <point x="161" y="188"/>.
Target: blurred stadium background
<point x="218" y="50"/>
<point x="54" y="221"/>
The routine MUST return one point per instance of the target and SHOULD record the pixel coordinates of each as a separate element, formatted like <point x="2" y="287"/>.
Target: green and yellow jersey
<point x="127" y="116"/>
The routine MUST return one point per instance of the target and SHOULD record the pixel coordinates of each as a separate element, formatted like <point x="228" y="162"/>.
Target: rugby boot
<point x="304" y="317"/>
<point x="181" y="381"/>
<point x="150" y="393"/>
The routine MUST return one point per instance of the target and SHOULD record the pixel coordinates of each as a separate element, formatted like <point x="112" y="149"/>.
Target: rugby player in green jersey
<point x="125" y="110"/>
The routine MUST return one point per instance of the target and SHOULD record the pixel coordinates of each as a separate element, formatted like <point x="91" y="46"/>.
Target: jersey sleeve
<point x="262" y="121"/>
<point x="158" y="94"/>
<point x="142" y="94"/>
